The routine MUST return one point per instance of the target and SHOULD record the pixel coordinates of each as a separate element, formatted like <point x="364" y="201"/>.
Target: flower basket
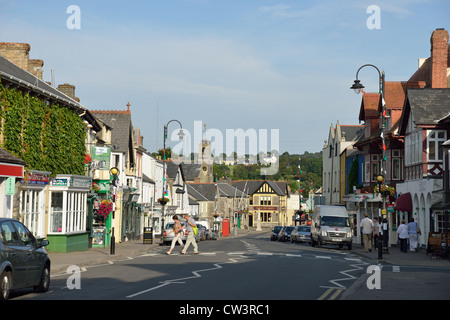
<point x="384" y="189"/>
<point x="163" y="201"/>
<point x="106" y="207"/>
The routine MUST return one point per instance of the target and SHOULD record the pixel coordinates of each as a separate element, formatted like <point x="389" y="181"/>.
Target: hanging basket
<point x="163" y="201"/>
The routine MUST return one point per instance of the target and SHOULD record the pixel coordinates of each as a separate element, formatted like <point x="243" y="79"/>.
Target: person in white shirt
<point x="366" y="226"/>
<point x="403" y="235"/>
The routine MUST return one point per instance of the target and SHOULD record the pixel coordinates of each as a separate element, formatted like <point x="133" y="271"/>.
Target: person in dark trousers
<point x="403" y="236"/>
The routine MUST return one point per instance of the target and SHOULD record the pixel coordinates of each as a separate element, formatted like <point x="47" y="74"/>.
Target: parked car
<point x="274" y="234"/>
<point x="23" y="260"/>
<point x="301" y="234"/>
<point x="168" y="236"/>
<point x="201" y="232"/>
<point x="285" y="233"/>
<point x="208" y="231"/>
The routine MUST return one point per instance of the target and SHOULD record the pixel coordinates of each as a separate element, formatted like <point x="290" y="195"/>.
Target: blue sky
<point x="232" y="64"/>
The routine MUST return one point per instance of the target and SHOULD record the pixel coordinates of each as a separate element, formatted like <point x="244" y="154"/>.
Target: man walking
<point x="190" y="222"/>
<point x="367" y="231"/>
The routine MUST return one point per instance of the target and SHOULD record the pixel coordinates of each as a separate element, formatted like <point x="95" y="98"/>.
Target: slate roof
<point x="191" y="171"/>
<point x="251" y="186"/>
<point x="427" y="105"/>
<point x="201" y="191"/>
<point x="9" y="72"/>
<point x="120" y="122"/>
<point x="207" y="192"/>
<point x="7" y="157"/>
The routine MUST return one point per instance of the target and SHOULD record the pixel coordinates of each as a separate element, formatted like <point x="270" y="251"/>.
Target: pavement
<point x="403" y="276"/>
<point x="420" y="276"/>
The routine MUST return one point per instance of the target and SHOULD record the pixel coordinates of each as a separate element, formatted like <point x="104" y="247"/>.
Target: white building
<point x="339" y="139"/>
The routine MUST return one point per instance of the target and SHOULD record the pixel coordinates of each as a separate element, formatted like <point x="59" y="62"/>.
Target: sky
<point x="279" y="71"/>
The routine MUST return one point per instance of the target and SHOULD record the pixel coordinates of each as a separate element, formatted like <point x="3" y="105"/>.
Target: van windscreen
<point x="334" y="221"/>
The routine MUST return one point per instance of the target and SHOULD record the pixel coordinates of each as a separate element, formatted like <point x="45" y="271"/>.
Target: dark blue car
<point x="23" y="260"/>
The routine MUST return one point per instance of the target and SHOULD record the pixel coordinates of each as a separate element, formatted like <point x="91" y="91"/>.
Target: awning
<point x="404" y="202"/>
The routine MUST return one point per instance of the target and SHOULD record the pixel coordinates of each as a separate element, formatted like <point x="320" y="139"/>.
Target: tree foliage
<point x="288" y="170"/>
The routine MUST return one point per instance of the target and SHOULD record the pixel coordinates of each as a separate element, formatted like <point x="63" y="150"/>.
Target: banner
<point x="100" y="158"/>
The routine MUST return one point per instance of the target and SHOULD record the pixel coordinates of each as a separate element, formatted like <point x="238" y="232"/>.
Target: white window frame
<point x="71" y="218"/>
<point x="434" y="139"/>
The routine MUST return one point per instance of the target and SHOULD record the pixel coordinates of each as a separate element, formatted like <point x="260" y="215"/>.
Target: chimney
<point x="17" y="53"/>
<point x="439" y="56"/>
<point x="35" y="67"/>
<point x="67" y="89"/>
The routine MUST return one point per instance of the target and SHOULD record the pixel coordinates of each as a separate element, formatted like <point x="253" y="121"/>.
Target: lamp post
<point x="180" y="135"/>
<point x="114" y="184"/>
<point x="380" y="180"/>
<point x="357" y="87"/>
<point x="300" y="193"/>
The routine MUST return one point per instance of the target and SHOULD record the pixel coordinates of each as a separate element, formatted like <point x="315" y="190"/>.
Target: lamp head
<point x="357" y="86"/>
<point x="380" y="178"/>
<point x="114" y="171"/>
<point x="181" y="134"/>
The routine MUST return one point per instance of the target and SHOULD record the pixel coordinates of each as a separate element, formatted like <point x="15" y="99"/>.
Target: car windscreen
<point x="334" y="221"/>
<point x="305" y="229"/>
<point x="289" y="229"/>
<point x="277" y="229"/>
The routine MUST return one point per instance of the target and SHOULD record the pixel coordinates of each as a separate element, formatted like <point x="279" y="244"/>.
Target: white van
<point x="331" y="225"/>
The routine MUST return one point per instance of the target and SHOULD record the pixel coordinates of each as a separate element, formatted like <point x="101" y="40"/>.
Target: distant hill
<point x="310" y="178"/>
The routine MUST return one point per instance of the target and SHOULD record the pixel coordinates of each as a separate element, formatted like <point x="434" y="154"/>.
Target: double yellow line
<point x="330" y="294"/>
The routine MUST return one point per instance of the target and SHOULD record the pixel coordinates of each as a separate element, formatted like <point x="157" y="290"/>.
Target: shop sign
<point x="83" y="183"/>
<point x="35" y="178"/>
<point x="265" y="208"/>
<point x="59" y="182"/>
<point x="100" y="158"/>
<point x="10" y="186"/>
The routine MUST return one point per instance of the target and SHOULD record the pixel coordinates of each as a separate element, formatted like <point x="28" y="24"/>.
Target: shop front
<point x="32" y="201"/>
<point x="68" y="204"/>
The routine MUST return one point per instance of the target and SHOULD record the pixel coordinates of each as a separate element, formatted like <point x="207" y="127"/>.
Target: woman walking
<point x="178" y="232"/>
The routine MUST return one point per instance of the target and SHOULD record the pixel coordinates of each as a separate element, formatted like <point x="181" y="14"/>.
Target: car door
<point x="15" y="253"/>
<point x="34" y="257"/>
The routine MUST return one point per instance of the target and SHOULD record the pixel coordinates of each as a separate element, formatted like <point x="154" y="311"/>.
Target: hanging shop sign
<point x="101" y="158"/>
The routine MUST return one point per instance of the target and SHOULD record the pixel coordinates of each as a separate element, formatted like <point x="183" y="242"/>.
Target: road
<point x="246" y="268"/>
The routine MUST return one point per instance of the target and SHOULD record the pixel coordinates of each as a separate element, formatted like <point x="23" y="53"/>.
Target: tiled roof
<point x="369" y="106"/>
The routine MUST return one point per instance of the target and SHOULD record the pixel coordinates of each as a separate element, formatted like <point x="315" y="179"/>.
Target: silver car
<point x="301" y="234"/>
<point x="168" y="236"/>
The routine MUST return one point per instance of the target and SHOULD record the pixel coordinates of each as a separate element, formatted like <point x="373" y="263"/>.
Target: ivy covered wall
<point x="47" y="137"/>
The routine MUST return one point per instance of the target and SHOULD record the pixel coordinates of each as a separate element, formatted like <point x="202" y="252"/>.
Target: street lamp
<point x="114" y="184"/>
<point x="357" y="87"/>
<point x="180" y="136"/>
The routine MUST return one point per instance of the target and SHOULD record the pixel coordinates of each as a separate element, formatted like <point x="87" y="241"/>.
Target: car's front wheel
<point x="5" y="283"/>
<point x="44" y="280"/>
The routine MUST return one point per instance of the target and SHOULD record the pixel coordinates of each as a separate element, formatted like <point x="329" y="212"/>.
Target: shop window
<point x="56" y="212"/>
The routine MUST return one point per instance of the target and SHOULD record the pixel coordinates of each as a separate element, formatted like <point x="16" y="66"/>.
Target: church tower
<point x="205" y="160"/>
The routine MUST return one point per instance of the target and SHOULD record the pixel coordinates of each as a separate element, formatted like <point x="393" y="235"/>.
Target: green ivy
<point x="47" y="137"/>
